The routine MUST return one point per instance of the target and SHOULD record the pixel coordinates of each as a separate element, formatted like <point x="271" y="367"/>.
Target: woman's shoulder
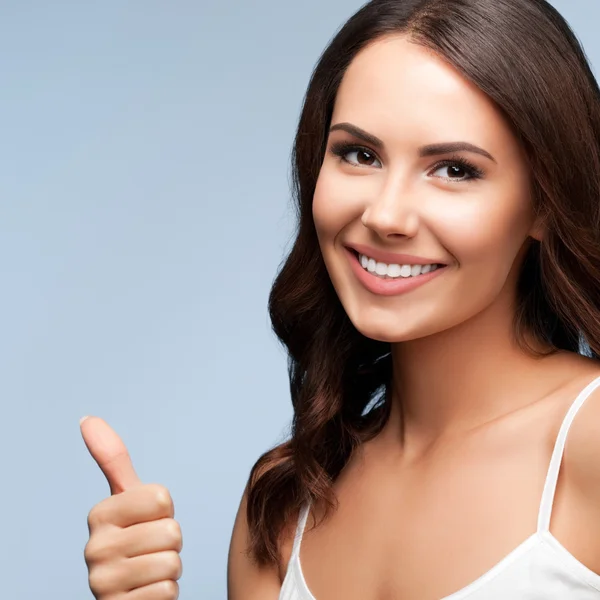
<point x="581" y="457"/>
<point x="576" y="510"/>
<point x="582" y="448"/>
<point x="244" y="573"/>
<point x="246" y="579"/>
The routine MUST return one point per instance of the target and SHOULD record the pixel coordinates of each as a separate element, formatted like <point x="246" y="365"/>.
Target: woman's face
<point x="394" y="197"/>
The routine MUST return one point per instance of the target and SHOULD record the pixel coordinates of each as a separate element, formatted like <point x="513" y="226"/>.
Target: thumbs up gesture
<point x="134" y="545"/>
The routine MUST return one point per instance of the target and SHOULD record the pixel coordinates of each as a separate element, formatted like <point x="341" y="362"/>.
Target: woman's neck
<point x="461" y="378"/>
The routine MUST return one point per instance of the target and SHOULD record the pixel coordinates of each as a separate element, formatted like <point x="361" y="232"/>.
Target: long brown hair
<point x="524" y="56"/>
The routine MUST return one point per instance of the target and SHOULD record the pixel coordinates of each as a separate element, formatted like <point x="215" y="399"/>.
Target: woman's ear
<point x="538" y="228"/>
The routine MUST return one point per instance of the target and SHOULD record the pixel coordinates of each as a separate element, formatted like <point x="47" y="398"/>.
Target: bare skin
<point x="453" y="482"/>
<point x="423" y="526"/>
<point x="245" y="580"/>
<point x="134" y="545"/>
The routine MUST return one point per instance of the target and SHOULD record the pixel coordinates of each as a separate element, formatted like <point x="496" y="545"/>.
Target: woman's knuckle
<point x="95" y="517"/>
<point x="97" y="581"/>
<point x="173" y="565"/>
<point x="168" y="590"/>
<point x="162" y="497"/>
<point x="102" y="548"/>
<point x="173" y="530"/>
<point x="91" y="552"/>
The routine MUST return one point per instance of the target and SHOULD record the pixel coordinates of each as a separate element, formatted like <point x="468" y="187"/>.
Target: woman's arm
<point x="245" y="579"/>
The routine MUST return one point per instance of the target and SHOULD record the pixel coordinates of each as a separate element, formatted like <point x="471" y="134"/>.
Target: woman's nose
<point x="393" y="212"/>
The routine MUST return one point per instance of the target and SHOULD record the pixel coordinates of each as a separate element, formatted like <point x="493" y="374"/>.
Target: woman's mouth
<point x="394" y="271"/>
<point x="391" y="279"/>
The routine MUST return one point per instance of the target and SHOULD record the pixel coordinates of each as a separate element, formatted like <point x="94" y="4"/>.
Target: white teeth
<point x="405" y="271"/>
<point x="381" y="269"/>
<point x="394" y="271"/>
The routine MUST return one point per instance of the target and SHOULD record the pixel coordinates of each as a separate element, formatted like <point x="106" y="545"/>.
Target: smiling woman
<point x="441" y="310"/>
<point x="449" y="202"/>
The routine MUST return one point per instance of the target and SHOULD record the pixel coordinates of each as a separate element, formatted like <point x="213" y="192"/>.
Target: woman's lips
<point x="391" y="258"/>
<point x="388" y="287"/>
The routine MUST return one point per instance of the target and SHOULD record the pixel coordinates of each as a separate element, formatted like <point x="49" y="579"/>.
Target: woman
<point x="441" y="309"/>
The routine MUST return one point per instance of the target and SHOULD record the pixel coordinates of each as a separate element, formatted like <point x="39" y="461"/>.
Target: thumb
<point x="109" y="451"/>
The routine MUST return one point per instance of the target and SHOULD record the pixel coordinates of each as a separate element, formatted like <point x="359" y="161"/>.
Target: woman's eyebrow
<point x="359" y="133"/>
<point x="449" y="147"/>
<point x="429" y="150"/>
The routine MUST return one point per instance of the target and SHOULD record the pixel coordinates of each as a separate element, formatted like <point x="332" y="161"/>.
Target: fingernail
<point x="83" y="419"/>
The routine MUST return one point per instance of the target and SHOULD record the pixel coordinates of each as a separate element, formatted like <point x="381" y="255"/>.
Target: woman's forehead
<point x="400" y="88"/>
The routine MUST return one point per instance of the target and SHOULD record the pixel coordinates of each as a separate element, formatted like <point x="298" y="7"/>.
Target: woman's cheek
<point x="328" y="206"/>
<point x="338" y="201"/>
<point x="480" y="229"/>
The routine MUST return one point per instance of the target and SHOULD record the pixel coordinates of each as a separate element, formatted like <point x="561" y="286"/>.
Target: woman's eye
<point x="358" y="157"/>
<point x="456" y="172"/>
<point x="364" y="158"/>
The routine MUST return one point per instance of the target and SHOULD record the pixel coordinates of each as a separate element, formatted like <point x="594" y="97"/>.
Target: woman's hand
<point x="134" y="545"/>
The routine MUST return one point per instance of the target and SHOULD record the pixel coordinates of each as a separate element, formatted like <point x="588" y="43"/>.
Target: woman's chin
<point x="384" y="332"/>
<point x="382" y="328"/>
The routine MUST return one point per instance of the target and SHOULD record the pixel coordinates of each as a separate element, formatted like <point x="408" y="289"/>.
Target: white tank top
<point x="538" y="569"/>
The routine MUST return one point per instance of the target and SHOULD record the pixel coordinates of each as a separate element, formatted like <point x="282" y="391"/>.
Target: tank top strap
<point x="545" y="512"/>
<point x="303" y="517"/>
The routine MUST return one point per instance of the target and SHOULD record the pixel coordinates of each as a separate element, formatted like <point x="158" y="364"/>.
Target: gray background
<point x="144" y="150"/>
